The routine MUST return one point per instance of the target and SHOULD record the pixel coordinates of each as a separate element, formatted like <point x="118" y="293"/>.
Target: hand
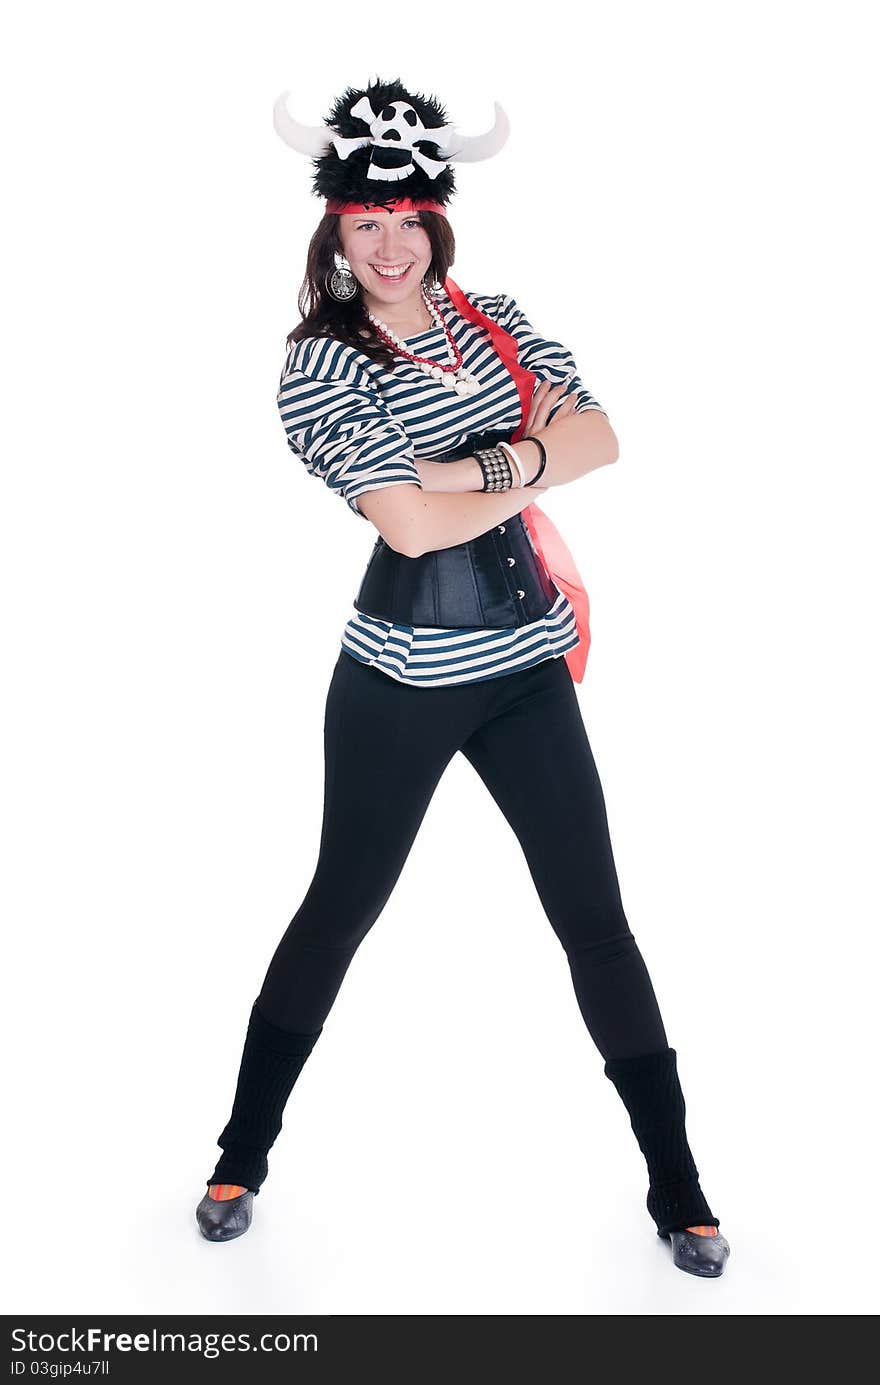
<point x="543" y="400"/>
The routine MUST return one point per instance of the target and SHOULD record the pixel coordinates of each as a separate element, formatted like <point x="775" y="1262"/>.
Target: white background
<point x="685" y="202"/>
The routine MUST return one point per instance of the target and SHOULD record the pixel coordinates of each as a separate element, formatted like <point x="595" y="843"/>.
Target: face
<point x="375" y="244"/>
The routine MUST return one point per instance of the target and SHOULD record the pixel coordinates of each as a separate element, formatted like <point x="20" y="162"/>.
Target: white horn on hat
<point x="313" y="140"/>
<point x="471" y="148"/>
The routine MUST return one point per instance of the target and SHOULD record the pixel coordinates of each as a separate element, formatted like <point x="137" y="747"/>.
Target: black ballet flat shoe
<point x="223" y="1220"/>
<point x="703" y="1255"/>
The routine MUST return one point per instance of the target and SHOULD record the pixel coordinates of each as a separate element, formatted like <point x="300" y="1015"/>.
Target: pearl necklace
<point x="453" y="375"/>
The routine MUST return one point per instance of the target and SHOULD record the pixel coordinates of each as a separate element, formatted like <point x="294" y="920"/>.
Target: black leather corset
<point x="493" y="580"/>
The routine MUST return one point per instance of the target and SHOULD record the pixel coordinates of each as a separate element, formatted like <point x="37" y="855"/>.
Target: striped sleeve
<point x="338" y="424"/>
<point x="549" y="360"/>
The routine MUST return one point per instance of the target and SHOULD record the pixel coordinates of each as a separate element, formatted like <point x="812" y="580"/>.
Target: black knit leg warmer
<point x="270" y="1064"/>
<point x="650" y="1090"/>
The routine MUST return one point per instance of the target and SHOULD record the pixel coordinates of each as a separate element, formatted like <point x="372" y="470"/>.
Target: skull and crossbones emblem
<point x="396" y="130"/>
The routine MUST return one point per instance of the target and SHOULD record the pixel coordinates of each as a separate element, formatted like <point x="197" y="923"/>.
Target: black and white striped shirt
<point x="360" y="427"/>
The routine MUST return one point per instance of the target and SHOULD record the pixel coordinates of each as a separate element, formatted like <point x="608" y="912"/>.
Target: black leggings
<point x="386" y="747"/>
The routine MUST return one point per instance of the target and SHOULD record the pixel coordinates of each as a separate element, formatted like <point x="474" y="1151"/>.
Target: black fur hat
<point x="382" y="142"/>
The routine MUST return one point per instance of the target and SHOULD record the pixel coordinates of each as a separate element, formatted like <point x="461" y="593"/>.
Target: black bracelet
<point x="540" y="472"/>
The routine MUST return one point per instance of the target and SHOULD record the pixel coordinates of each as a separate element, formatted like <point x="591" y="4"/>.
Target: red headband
<point x="391" y="204"/>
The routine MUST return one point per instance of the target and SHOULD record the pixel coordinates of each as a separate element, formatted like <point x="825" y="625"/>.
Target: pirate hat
<point x="382" y="145"/>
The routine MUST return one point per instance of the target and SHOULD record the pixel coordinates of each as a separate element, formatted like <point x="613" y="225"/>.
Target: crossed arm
<point x="575" y="444"/>
<point x="413" y="521"/>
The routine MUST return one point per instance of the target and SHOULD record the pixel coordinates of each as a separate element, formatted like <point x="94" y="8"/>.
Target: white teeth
<point x="397" y="273"/>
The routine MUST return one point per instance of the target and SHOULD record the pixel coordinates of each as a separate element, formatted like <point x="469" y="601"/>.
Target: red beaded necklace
<point x="453" y="374"/>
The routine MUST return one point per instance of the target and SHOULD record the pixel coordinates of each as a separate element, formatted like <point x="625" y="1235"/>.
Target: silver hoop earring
<point x="340" y="283"/>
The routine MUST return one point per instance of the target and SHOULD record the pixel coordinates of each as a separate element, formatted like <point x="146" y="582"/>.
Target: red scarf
<point x="548" y="542"/>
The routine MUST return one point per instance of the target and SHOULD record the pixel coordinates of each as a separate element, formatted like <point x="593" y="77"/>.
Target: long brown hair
<point x="324" y="316"/>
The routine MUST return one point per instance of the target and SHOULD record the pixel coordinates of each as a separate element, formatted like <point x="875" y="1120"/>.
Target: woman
<point x="440" y="417"/>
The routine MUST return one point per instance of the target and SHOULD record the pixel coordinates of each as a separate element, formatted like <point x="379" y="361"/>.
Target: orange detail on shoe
<point x="222" y="1192"/>
<point x="703" y="1230"/>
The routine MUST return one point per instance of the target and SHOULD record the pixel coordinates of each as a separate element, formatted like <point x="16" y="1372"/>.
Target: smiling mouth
<point x="394" y="274"/>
